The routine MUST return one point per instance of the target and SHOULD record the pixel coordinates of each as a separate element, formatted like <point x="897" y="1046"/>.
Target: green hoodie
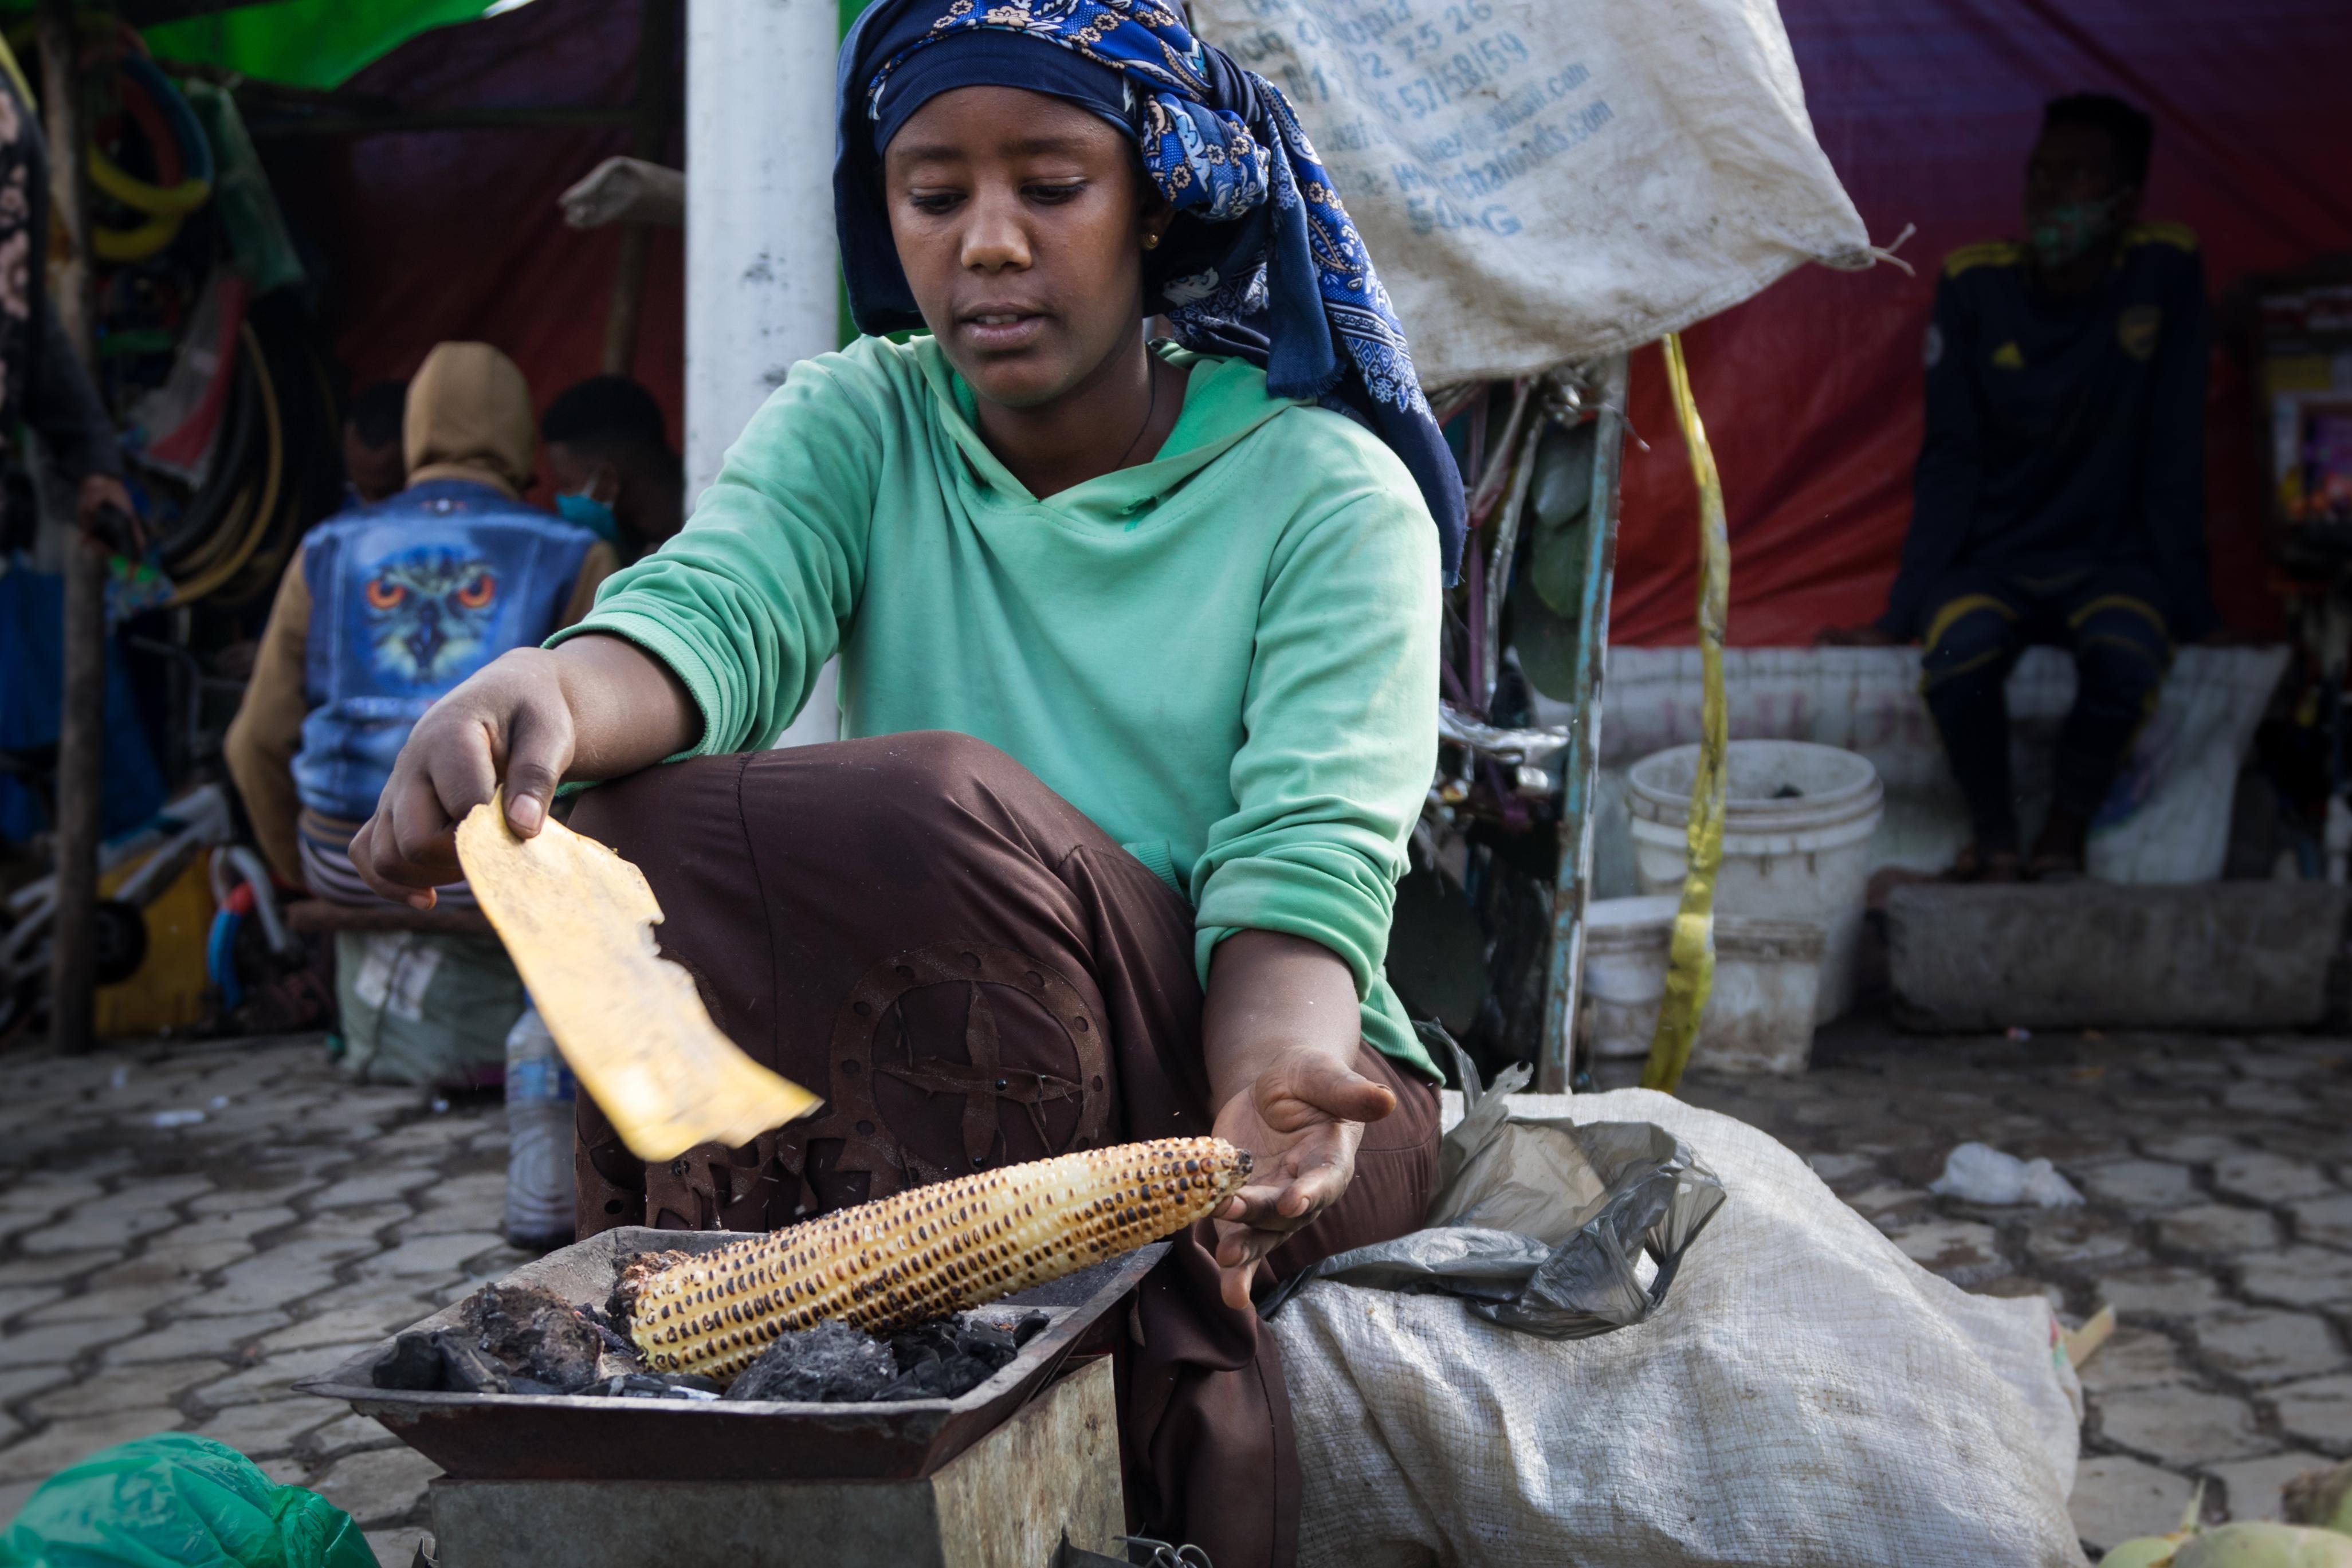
<point x="1226" y="657"/>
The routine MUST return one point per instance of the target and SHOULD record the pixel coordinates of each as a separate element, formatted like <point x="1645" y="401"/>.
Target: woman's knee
<point x="946" y="762"/>
<point x="645" y="807"/>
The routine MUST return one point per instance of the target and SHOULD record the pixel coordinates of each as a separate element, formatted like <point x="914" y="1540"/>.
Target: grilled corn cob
<point x="887" y="1265"/>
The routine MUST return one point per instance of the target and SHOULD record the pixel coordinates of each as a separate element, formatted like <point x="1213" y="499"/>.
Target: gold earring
<point x="1150" y="240"/>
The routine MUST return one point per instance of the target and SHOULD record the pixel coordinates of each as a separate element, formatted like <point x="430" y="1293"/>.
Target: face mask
<point x="588" y="512"/>
<point x="2064" y="232"/>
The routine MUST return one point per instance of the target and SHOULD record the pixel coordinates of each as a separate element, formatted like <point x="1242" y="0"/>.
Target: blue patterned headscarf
<point x="1262" y="262"/>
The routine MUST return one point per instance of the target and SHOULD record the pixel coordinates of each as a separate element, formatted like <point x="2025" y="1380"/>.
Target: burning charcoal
<point x="831" y="1362"/>
<point x="947" y="1358"/>
<point x="413" y="1362"/>
<point x="466" y="1370"/>
<point x="991" y="1346"/>
<point x="694" y="1382"/>
<point x="535" y="1335"/>
<point x="949" y="1377"/>
<point x="923" y="1343"/>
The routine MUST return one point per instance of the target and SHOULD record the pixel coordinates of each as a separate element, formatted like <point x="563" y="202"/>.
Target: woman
<point x="1142" y="647"/>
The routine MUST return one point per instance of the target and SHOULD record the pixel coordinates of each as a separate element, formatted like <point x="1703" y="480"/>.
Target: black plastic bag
<point x="1541" y="1225"/>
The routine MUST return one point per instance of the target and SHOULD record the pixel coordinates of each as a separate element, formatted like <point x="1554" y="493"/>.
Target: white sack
<point x="1542" y="180"/>
<point x="1808" y="1396"/>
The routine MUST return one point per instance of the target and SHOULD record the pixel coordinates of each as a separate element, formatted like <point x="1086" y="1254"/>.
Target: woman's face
<point x="1019" y="219"/>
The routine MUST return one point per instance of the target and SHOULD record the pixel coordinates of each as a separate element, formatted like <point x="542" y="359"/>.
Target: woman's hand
<point x="1280" y="1029"/>
<point x="597" y="707"/>
<point x="1301" y="1121"/>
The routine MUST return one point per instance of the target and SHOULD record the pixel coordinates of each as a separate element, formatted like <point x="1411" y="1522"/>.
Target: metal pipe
<point x="1580" y="768"/>
<point x="82" y="716"/>
<point x="1498" y="575"/>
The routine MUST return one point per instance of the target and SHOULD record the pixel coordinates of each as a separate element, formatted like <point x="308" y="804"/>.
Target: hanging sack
<point x="1548" y="181"/>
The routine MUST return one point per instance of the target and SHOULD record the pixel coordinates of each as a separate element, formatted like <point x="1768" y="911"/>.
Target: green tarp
<point x="306" y="43"/>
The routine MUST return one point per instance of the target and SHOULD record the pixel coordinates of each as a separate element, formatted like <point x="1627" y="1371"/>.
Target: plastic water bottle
<point x="540" y="1089"/>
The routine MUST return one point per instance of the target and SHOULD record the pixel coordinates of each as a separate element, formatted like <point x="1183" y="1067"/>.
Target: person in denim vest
<point x="388" y="605"/>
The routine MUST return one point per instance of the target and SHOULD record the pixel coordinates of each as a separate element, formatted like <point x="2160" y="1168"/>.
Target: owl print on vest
<point x="429" y="612"/>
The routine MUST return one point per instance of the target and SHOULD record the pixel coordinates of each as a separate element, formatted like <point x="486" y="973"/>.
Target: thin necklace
<point x="1152" y="371"/>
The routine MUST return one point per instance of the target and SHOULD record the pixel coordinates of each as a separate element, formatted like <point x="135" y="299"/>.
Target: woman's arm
<point x="1280" y="1031"/>
<point x="711" y="644"/>
<point x="1294" y="892"/>
<point x="596" y="707"/>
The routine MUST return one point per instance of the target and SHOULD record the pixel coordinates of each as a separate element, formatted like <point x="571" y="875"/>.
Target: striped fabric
<point x="326" y="844"/>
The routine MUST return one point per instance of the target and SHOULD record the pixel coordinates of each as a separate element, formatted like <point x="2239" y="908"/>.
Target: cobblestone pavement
<point x="2218" y="1224"/>
<point x="158" y="1270"/>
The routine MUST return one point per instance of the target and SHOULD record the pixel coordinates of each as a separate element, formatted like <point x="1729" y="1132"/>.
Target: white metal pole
<point x="761" y="267"/>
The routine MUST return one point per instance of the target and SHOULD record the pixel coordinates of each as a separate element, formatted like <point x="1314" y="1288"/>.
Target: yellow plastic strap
<point x="1690" y="970"/>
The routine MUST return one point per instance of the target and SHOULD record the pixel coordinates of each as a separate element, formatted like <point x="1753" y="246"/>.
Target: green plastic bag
<point x="177" y="1501"/>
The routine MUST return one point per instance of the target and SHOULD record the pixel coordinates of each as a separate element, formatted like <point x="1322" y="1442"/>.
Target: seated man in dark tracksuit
<point x="2059" y="496"/>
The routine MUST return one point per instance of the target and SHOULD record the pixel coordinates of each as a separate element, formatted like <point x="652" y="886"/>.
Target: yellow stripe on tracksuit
<point x="2139" y="607"/>
<point x="1966" y="604"/>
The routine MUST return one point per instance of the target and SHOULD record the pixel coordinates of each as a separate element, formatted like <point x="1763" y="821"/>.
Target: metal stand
<point x="1049" y="1475"/>
<point x="81" y="718"/>
<point x="1581" y="773"/>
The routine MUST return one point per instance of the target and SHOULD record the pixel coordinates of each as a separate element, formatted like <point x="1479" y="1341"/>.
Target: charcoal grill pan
<point x="571" y="1436"/>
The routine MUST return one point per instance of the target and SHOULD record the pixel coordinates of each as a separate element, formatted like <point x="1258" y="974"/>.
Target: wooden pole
<point x="82" y="711"/>
<point x="656" y="47"/>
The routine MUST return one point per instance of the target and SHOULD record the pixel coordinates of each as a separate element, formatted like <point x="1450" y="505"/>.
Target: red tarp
<point x="456" y="235"/>
<point x="1811" y="391"/>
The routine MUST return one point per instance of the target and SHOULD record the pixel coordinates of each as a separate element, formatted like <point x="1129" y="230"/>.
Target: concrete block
<point x="2182" y="1425"/>
<point x="2250" y="1486"/>
<point x="2219" y="1228"/>
<point x="2141" y="1185"/>
<point x="2264" y="1344"/>
<point x="378" y="1485"/>
<point x="2299" y="1277"/>
<point x="2318" y="1411"/>
<point x="1962" y="1252"/>
<point x="2117" y="1498"/>
<point x="2328" y="1219"/>
<point x="1005" y="1503"/>
<point x="2134" y="1358"/>
<point x="260" y="1431"/>
<point x="2240" y="954"/>
<point x="191" y="1337"/>
<point x="2163" y="1294"/>
<point x="2261" y="1177"/>
<point x="63" y="1442"/>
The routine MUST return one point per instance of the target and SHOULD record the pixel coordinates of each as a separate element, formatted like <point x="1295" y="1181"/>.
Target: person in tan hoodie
<point x="385" y="606"/>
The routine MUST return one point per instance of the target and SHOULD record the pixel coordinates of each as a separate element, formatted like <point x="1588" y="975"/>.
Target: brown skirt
<point x="972" y="973"/>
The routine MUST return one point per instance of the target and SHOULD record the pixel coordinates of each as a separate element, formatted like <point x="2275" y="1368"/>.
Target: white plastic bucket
<point x="1759" y="1012"/>
<point x="1798" y="821"/>
<point x="1625" y="943"/>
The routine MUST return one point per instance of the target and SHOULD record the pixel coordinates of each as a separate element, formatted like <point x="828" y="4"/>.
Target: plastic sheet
<point x="1541" y="1225"/>
<point x="177" y="1501"/>
<point x="1979" y="1173"/>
